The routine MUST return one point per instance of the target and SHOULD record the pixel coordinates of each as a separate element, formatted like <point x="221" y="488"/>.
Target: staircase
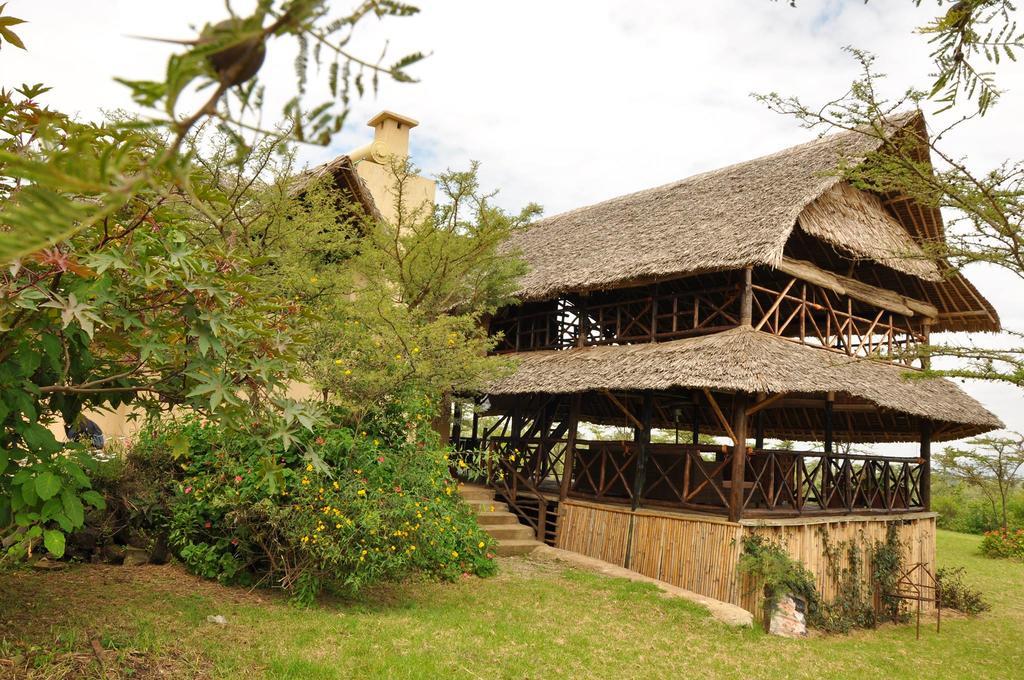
<point x="494" y="517"/>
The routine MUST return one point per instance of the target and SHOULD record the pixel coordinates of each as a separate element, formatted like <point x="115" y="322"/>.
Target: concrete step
<point x="510" y="548"/>
<point x="486" y="519"/>
<point x="472" y="492"/>
<point x="487" y="506"/>
<point x="510" y="532"/>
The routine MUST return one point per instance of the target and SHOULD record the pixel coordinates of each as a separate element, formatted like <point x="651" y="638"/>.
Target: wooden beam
<point x="746" y="304"/>
<point x="722" y="420"/>
<point x="858" y="290"/>
<point x="739" y="459"/>
<point x="926" y="465"/>
<point x="625" y="411"/>
<point x="570" y="447"/>
<point x="642" y="437"/>
<point x="765" y="403"/>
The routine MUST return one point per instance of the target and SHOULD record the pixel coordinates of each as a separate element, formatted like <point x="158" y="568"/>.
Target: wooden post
<point x="695" y="398"/>
<point x="747" y="306"/>
<point x="475" y="441"/>
<point x="457" y="424"/>
<point x="759" y="428"/>
<point x="829" y="411"/>
<point x="642" y="437"/>
<point x="739" y="457"/>
<point x="570" y="446"/>
<point x="826" y="467"/>
<point x="926" y="469"/>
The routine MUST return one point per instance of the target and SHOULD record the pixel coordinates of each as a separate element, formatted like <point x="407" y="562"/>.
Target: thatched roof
<point x="743" y="215"/>
<point x="748" y="361"/>
<point x="858" y="222"/>
<point x="345" y="177"/>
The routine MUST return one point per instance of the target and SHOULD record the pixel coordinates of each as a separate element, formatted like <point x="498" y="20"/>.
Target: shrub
<point x="958" y="595"/>
<point x="339" y="510"/>
<point x="779" y="574"/>
<point x="1005" y="543"/>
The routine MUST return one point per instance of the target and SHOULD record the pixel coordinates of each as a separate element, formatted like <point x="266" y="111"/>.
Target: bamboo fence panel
<point x="700" y="554"/>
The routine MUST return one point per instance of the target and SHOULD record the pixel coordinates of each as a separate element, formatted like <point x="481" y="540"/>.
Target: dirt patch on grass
<point x="105" y="621"/>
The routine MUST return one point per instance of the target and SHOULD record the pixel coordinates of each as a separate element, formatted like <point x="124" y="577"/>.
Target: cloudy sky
<point x="565" y="103"/>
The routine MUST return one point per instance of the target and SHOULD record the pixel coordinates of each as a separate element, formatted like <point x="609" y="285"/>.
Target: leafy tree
<point x="993" y="465"/>
<point x="70" y="183"/>
<point x="113" y="290"/>
<point x="969" y="31"/>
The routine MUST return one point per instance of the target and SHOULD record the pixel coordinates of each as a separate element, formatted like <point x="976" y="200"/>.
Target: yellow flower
<point x="361" y="492"/>
<point x="362" y="553"/>
<point x="398" y="357"/>
<point x="338" y="362"/>
<point x="338" y="526"/>
<point x="309" y="467"/>
<point x="348" y="371"/>
<point x="313" y="279"/>
<point x="455" y="553"/>
<point x="305" y="480"/>
<point x="480" y="544"/>
<point x="376" y="442"/>
<point x="336" y="486"/>
<point x="415" y="350"/>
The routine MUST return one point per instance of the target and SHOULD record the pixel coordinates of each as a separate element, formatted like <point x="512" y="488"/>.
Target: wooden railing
<point x="792" y="308"/>
<point x="699" y="478"/>
<point x="645" y="318"/>
<point x="821" y="317"/>
<point x="803" y="482"/>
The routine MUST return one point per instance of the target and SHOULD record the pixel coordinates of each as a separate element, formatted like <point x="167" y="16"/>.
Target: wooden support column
<point x="826" y="463"/>
<point x="475" y="441"/>
<point x="747" y="303"/>
<point x="457" y="424"/>
<point x="926" y="469"/>
<point x="739" y="457"/>
<point x="695" y="398"/>
<point x="759" y="426"/>
<point x="516" y="422"/>
<point x="642" y="437"/>
<point x="570" y="446"/>
<point x="830" y="402"/>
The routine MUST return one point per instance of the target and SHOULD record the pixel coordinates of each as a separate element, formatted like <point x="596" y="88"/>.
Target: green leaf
<point x="95" y="499"/>
<point x="179" y="446"/>
<point x="47" y="485"/>
<point x="28" y="493"/>
<point x="4" y="457"/>
<point x="73" y="507"/>
<point x="50" y="509"/>
<point x="39" y="438"/>
<point x="54" y="542"/>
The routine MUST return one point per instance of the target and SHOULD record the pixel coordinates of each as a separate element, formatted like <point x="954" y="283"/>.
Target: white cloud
<point x="566" y="103"/>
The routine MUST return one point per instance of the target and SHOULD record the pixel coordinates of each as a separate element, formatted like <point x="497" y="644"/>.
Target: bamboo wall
<point x="700" y="553"/>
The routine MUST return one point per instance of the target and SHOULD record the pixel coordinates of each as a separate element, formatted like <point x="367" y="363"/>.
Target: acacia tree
<point x="984" y="207"/>
<point x="112" y="290"/>
<point x="993" y="465"/>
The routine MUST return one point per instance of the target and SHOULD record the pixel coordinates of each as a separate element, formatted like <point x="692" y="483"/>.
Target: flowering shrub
<point x="339" y="510"/>
<point x="1003" y="543"/>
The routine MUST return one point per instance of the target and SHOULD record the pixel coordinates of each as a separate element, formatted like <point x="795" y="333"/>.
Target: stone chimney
<point x="372" y="162"/>
<point x="390" y="138"/>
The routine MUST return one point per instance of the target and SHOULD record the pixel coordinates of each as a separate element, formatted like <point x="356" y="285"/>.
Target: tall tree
<point x="993" y="465"/>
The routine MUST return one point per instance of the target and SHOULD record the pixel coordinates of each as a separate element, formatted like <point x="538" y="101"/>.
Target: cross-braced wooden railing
<point x="818" y="316"/>
<point x="646" y="318"/>
<point x="803" y="482"/>
<point x="698" y="477"/>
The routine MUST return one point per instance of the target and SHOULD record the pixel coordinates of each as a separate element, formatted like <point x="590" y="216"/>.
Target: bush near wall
<point x="341" y="509"/>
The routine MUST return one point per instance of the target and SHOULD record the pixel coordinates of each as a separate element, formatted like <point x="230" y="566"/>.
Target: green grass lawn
<point x="536" y="619"/>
